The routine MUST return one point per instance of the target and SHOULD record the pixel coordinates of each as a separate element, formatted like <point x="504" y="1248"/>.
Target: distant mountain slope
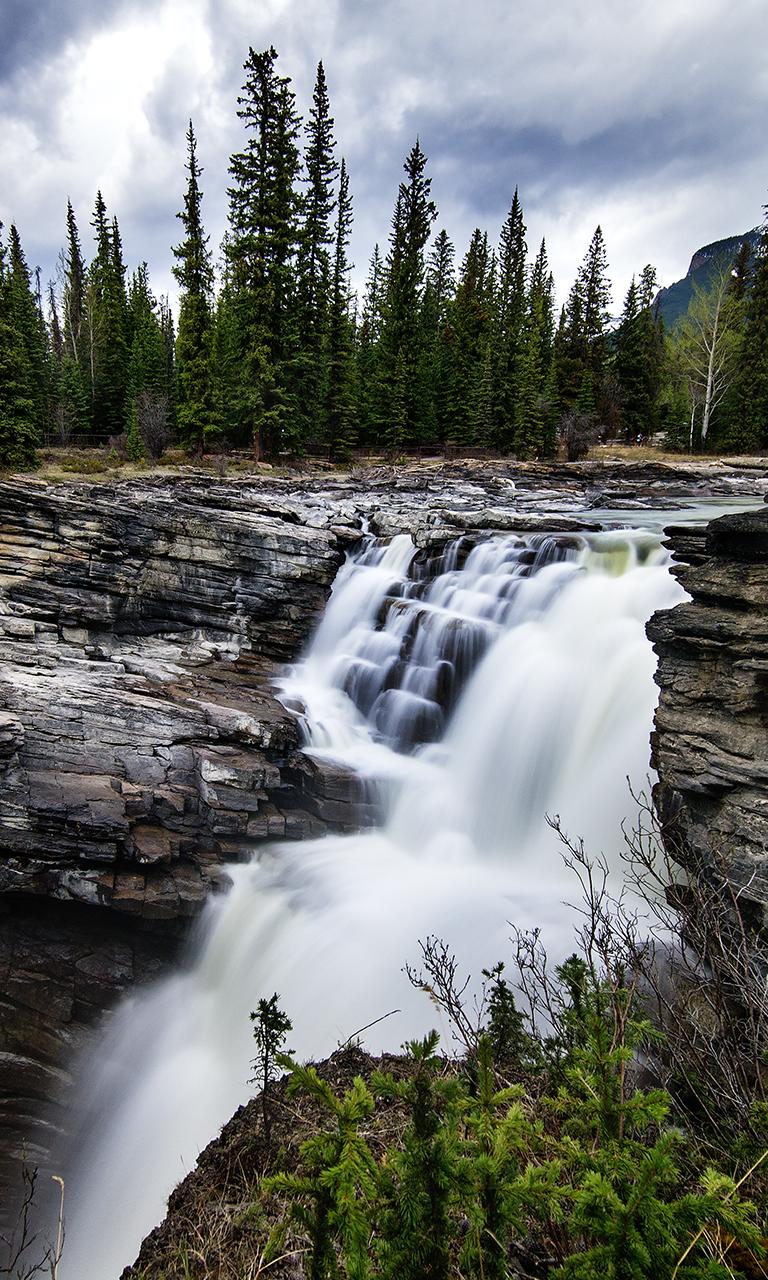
<point x="674" y="300"/>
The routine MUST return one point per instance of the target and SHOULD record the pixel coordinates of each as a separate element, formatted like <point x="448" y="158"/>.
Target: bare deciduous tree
<point x="24" y="1252"/>
<point x="707" y="346"/>
<point x="152" y="420"/>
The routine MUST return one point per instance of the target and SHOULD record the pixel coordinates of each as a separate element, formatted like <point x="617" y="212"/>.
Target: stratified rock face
<point x="140" y="744"/>
<point x="710" y="746"/>
<point x="60" y="968"/>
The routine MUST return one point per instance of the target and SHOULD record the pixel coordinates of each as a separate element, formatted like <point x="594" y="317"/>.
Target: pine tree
<point x="315" y="282"/>
<point x="261" y="249"/>
<point x="438" y="297"/>
<point x="332" y="1193"/>
<point x="529" y="406"/>
<point x="29" y="325"/>
<point x="340" y="413"/>
<point x="470" y="413"/>
<point x="752" y="374"/>
<point x="509" y="322"/>
<point x="193" y="270"/>
<point x="440" y="277"/>
<point x="149" y="401"/>
<point x="596" y="296"/>
<point x="639" y="355"/>
<point x="75" y="283"/>
<point x="402" y="330"/>
<point x="369" y="354"/>
<point x="107" y="310"/>
<point x="19" y="412"/>
<point x="420" y="1183"/>
<point x="581" y="349"/>
<point x="236" y="400"/>
<point x="535" y="408"/>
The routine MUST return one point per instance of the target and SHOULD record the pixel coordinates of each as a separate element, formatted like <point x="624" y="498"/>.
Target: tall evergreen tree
<point x="149" y="401"/>
<point x="19" y="412"/>
<point x="439" y="336"/>
<point x="581" y="347"/>
<point x="509" y="321"/>
<point x="340" y="415"/>
<point x="470" y="412"/>
<point x="370" y="414"/>
<point x="75" y="282"/>
<point x="535" y="411"/>
<point x="752" y="374"/>
<point x="262" y="247"/>
<point x="440" y="276"/>
<point x="314" y="284"/>
<point x="193" y="270"/>
<point x="401" y="367"/>
<point x="639" y="357"/>
<point x="107" y="309"/>
<point x="29" y="324"/>
<point x="68" y="398"/>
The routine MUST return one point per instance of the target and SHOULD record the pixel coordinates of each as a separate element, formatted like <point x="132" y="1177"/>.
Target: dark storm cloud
<point x="484" y="163"/>
<point x="36" y="30"/>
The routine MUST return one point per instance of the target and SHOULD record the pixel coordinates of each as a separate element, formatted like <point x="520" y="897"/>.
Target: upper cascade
<point x="404" y="631"/>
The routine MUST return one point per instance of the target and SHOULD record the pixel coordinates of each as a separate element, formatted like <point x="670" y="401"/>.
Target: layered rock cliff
<point x="140" y="743"/>
<point x="710" y="745"/>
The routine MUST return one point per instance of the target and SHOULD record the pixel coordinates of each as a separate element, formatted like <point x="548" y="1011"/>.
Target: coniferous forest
<point x="271" y="351"/>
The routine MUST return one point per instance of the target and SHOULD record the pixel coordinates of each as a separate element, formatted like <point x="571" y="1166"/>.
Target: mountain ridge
<point x="674" y="300"/>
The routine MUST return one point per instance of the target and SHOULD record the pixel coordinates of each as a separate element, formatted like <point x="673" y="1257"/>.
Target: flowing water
<point x="477" y="694"/>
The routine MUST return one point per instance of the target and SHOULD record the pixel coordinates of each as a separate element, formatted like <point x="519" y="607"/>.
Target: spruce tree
<point x="340" y="415"/>
<point x="400" y="372"/>
<point x="29" y="325"/>
<point x="509" y="322"/>
<point x="149" y="401"/>
<point x="19" y="412"/>
<point x="315" y="281"/>
<point x="581" y="346"/>
<point x="639" y="357"/>
<point x="68" y="396"/>
<point x="420" y="1183"/>
<point x="469" y="415"/>
<point x="752" y="375"/>
<point x="262" y="247"/>
<point x="370" y="414"/>
<point x="438" y="297"/>
<point x="75" y="284"/>
<point x="440" y="276"/>
<point x="107" y="309"/>
<point x="534" y="410"/>
<point x="193" y="270"/>
<point x="529" y="406"/>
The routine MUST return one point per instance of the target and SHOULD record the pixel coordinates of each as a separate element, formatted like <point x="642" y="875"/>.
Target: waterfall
<point x="478" y="692"/>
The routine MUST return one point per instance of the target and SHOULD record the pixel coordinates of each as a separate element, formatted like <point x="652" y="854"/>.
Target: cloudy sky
<point x="648" y="116"/>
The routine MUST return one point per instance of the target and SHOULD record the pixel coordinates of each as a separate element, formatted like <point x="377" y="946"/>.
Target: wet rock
<point x="710" y="745"/>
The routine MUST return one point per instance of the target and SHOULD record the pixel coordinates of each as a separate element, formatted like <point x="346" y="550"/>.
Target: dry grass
<point x="59" y="464"/>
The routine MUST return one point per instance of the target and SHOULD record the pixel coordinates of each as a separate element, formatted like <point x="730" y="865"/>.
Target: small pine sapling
<point x="270" y="1028"/>
<point x="332" y="1195"/>
<point x="498" y="1136"/>
<point x="421" y="1183"/>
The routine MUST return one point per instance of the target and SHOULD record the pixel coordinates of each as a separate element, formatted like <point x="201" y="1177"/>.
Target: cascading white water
<point x="488" y="692"/>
